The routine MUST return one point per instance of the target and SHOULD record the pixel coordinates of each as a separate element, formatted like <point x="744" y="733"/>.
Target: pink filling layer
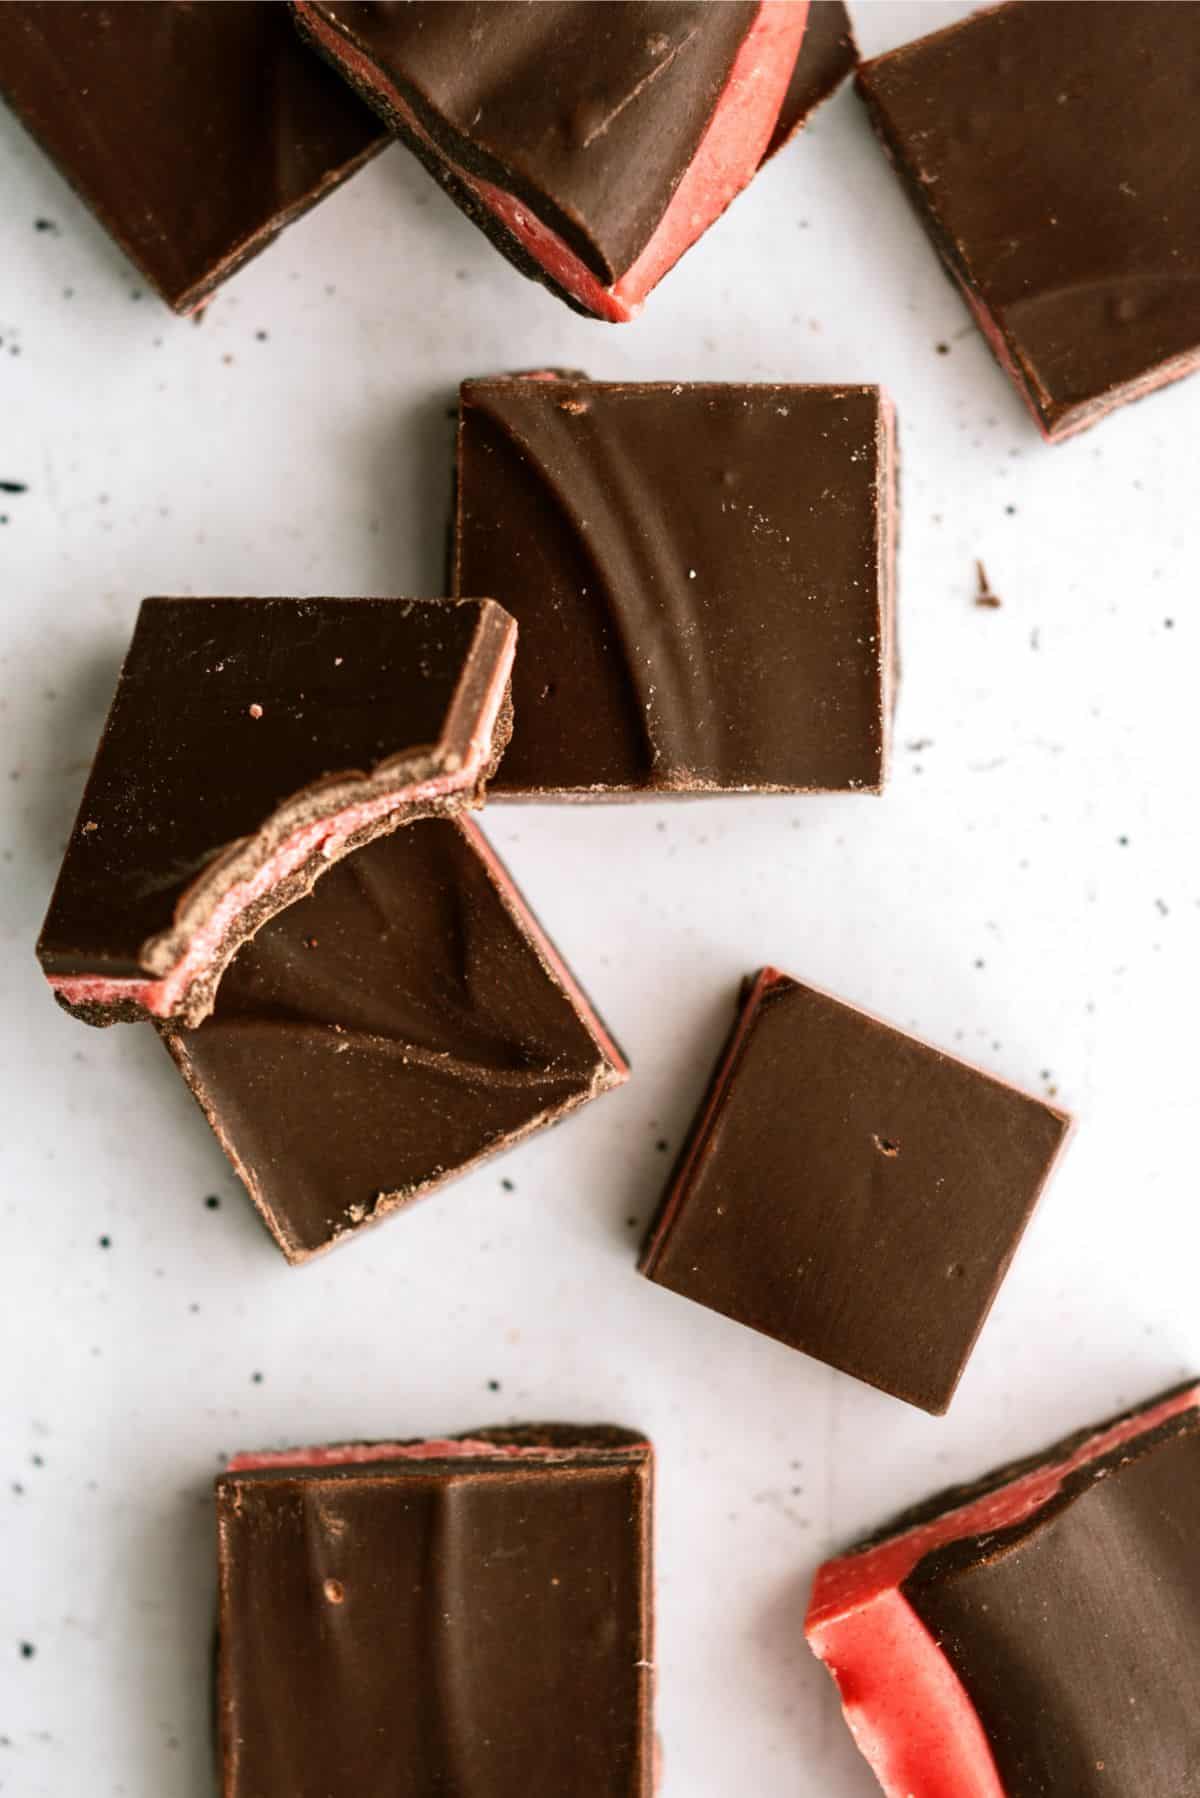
<point x="726" y="159"/>
<point x="436" y="1448"/>
<point x="905" y="1706"/>
<point x="326" y="836"/>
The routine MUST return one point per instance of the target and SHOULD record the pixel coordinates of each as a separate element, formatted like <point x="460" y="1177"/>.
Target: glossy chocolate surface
<point x="194" y="132"/>
<point x="237" y="724"/>
<point x="702" y="577"/>
<point x="1053" y="151"/>
<point x="852" y="1192"/>
<point x="377" y="1037"/>
<point x="588" y="110"/>
<point x="474" y="1621"/>
<point x="828" y="53"/>
<point x="1077" y="1632"/>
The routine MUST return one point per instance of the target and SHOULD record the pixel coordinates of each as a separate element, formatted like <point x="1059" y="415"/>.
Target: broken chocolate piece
<point x="466" y="1615"/>
<point x="386" y="1033"/>
<point x="593" y="140"/>
<point x="828" y="53"/>
<point x="702" y="575"/>
<point x="252" y="742"/>
<point x="194" y="132"/>
<point x="1053" y="153"/>
<point x="1035" y="1635"/>
<point x="851" y="1191"/>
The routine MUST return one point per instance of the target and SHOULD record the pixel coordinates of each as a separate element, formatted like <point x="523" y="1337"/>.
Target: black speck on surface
<point x="493" y="1385"/>
<point x="18" y="1489"/>
<point x="135" y="293"/>
<point x="213" y="1202"/>
<point x="260" y="336"/>
<point x="45" y="225"/>
<point x="1162" y="907"/>
<point x="3" y="517"/>
<point x="979" y="962"/>
<point x="1168" y="624"/>
<point x="256" y="1379"/>
<point x="508" y="1185"/>
<point x="1011" y="510"/>
<point x="106" y="1242"/>
<point x="27" y="1651"/>
<point x="943" y="349"/>
<point x="68" y="293"/>
<point x="631" y="1223"/>
<point x="662" y="1145"/>
<point x="37" y="1460"/>
<point x="13" y="487"/>
<point x="1124" y="842"/>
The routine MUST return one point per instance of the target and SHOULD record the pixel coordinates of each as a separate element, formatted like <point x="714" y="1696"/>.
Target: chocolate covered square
<point x="1052" y="151"/>
<point x="851" y="1191"/>
<point x="702" y="577"/>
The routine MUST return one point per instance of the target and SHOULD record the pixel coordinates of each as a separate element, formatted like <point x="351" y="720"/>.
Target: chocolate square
<point x="1053" y="153"/>
<point x="386" y="1033"/>
<point x="472" y="1615"/>
<point x="194" y="132"/>
<point x="702" y="575"/>
<point x="251" y="742"/>
<point x="852" y="1192"/>
<point x="1029" y="1634"/>
<point x="592" y="140"/>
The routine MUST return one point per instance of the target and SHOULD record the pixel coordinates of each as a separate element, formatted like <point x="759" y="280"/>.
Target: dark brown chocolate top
<point x="1053" y="150"/>
<point x="194" y="132"/>
<point x="852" y="1192"/>
<point x="828" y="52"/>
<point x="701" y="575"/>
<point x="373" y="1039"/>
<point x="476" y="1625"/>
<point x="235" y="723"/>
<point x="1077" y="1633"/>
<point x="588" y="110"/>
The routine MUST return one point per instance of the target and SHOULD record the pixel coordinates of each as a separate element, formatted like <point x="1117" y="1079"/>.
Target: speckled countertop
<point x="1028" y="892"/>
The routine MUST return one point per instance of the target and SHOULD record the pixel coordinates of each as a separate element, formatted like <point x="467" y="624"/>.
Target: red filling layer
<point x="904" y="1704"/>
<point x="728" y="155"/>
<point x="434" y="1448"/>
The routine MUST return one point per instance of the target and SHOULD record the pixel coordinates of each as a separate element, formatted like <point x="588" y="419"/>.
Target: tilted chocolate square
<point x="194" y="132"/>
<point x="472" y="1615"/>
<point x="250" y="744"/>
<point x="702" y="575"/>
<point x="386" y="1033"/>
<point x="1053" y="154"/>
<point x="593" y="140"/>
<point x="1037" y="1634"/>
<point x="851" y="1191"/>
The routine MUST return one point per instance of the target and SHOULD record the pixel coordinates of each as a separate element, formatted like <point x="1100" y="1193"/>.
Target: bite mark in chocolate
<point x="252" y="743"/>
<point x="1034" y="1635"/>
<point x="1053" y="153"/>
<point x="702" y="575"/>
<point x="465" y="1614"/>
<point x="383" y="1035"/>
<point x="851" y="1191"/>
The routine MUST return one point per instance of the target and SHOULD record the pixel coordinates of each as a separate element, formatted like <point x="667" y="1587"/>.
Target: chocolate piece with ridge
<point x="1035" y="1635"/>
<point x="1053" y="153"/>
<point x="852" y="1192"/>
<point x="592" y="140"/>
<point x="250" y="744"/>
<point x="386" y="1033"/>
<point x="463" y="1615"/>
<point x="194" y="132"/>
<point x="702" y="575"/>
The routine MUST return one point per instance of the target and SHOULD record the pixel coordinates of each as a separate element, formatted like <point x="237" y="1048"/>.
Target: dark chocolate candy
<point x="702" y="576"/>
<point x="251" y="742"/>
<point x="851" y="1191"/>
<point x="1035" y="1635"/>
<point x="1053" y="153"/>
<point x="593" y="140"/>
<point x="194" y="132"/>
<point x="464" y="1616"/>
<point x="828" y="53"/>
<point x="379" y="1037"/>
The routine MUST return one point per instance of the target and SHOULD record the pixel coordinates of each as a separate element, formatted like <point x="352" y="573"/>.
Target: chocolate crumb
<point x="662" y="1145"/>
<point x="943" y="349"/>
<point x="13" y="487"/>
<point x="983" y="594"/>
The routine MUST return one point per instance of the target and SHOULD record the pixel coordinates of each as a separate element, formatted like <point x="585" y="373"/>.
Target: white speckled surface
<point x="1028" y="891"/>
